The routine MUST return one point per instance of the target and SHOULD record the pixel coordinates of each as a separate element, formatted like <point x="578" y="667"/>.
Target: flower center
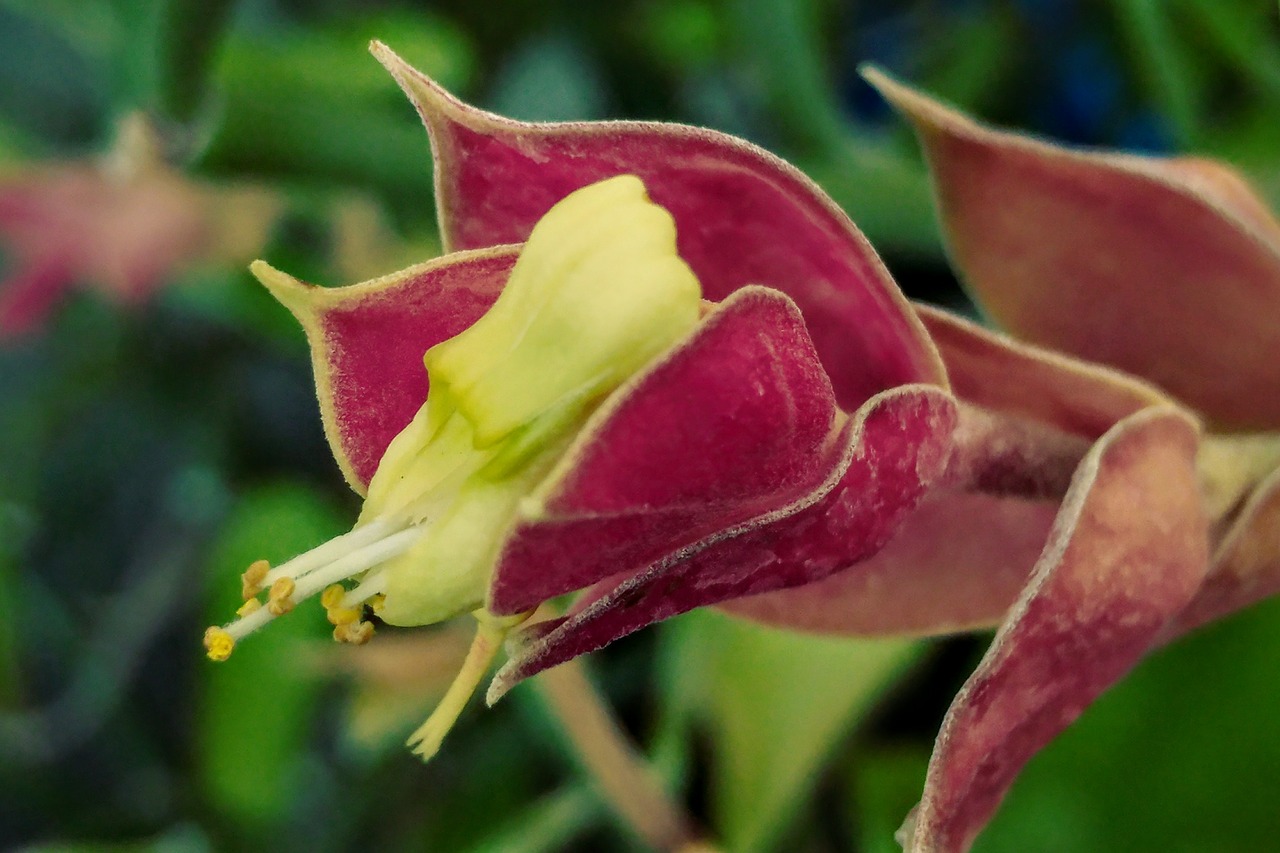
<point x="597" y="292"/>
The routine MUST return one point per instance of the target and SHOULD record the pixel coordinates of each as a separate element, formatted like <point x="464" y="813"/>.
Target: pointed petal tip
<point x="918" y="108"/>
<point x="500" y="685"/>
<point x="288" y="291"/>
<point x="875" y="75"/>
<point x="426" y="94"/>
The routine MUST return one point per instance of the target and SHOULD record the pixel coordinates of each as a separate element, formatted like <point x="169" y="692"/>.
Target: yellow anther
<point x="278" y="599"/>
<point x="218" y="643"/>
<point x="376" y="602"/>
<point x="248" y="607"/>
<point x="332" y="596"/>
<point x="251" y="580"/>
<point x="343" y="615"/>
<point x="355" y="633"/>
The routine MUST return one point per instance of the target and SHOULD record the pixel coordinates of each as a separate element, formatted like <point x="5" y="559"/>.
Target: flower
<point x="124" y="224"/>
<point x="812" y="450"/>
<point x="1168" y="268"/>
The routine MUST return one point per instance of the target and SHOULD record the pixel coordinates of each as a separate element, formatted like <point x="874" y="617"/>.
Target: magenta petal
<point x="897" y="446"/>
<point x="367" y="343"/>
<point x="743" y="217"/>
<point x="735" y="422"/>
<point x="963" y="557"/>
<point x="1128" y="551"/>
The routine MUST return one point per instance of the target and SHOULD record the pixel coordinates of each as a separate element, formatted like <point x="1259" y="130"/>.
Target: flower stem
<point x="620" y="773"/>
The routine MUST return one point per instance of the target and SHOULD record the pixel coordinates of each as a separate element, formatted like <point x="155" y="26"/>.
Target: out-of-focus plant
<point x="126" y="224"/>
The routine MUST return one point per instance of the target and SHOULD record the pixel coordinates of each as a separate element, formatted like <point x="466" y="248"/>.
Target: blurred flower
<point x="762" y="457"/>
<point x="125" y="224"/>
<point x="1166" y="268"/>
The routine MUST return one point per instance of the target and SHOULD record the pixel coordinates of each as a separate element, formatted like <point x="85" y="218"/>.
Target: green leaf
<point x="886" y="784"/>
<point x="1168" y="67"/>
<point x="781" y="45"/>
<point x="775" y="705"/>
<point x="1181" y="756"/>
<point x="258" y="705"/>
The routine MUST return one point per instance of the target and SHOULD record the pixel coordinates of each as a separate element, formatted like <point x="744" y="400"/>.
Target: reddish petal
<point x="1128" y="550"/>
<point x="956" y="564"/>
<point x="897" y="446"/>
<point x="736" y="422"/>
<point x="743" y="217"/>
<point x="367" y="342"/>
<point x="996" y="372"/>
<point x="1166" y="269"/>
<point x="961" y="560"/>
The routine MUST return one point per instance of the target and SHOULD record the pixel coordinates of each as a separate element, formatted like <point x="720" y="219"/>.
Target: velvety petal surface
<point x="1169" y="269"/>
<point x="367" y="342"/>
<point x="961" y="559"/>
<point x="743" y="217"/>
<point x="895" y="448"/>
<point x="1128" y="551"/>
<point x="736" y="422"/>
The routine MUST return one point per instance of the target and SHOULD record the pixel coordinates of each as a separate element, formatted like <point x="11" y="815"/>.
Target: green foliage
<point x="257" y="708"/>
<point x="774" y="705"/>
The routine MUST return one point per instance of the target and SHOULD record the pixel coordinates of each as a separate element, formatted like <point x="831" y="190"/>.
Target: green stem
<point x="620" y="773"/>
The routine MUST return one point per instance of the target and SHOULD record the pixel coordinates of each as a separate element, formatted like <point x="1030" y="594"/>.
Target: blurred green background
<point x="151" y="449"/>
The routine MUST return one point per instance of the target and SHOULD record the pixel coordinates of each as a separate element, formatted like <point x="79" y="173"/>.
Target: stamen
<point x="343" y="615"/>
<point x="285" y="592"/>
<point x="337" y="614"/>
<point x="218" y="643"/>
<point x="279" y="600"/>
<point x="356" y="634"/>
<point x="332" y="596"/>
<point x="356" y="562"/>
<point x="251" y="582"/>
<point x="248" y="607"/>
<point x="365" y="591"/>
<point x="334" y="549"/>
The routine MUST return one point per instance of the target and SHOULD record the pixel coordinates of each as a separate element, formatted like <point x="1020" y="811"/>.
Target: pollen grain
<point x="252" y="579"/>
<point x="279" y="599"/>
<point x="218" y="643"/>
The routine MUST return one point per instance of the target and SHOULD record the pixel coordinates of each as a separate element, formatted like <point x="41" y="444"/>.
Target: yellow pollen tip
<point x="248" y="607"/>
<point x="343" y="615"/>
<point x="377" y="602"/>
<point x="332" y="596"/>
<point x="218" y="643"/>
<point x="355" y="633"/>
<point x="278" y="599"/>
<point x="251" y="580"/>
